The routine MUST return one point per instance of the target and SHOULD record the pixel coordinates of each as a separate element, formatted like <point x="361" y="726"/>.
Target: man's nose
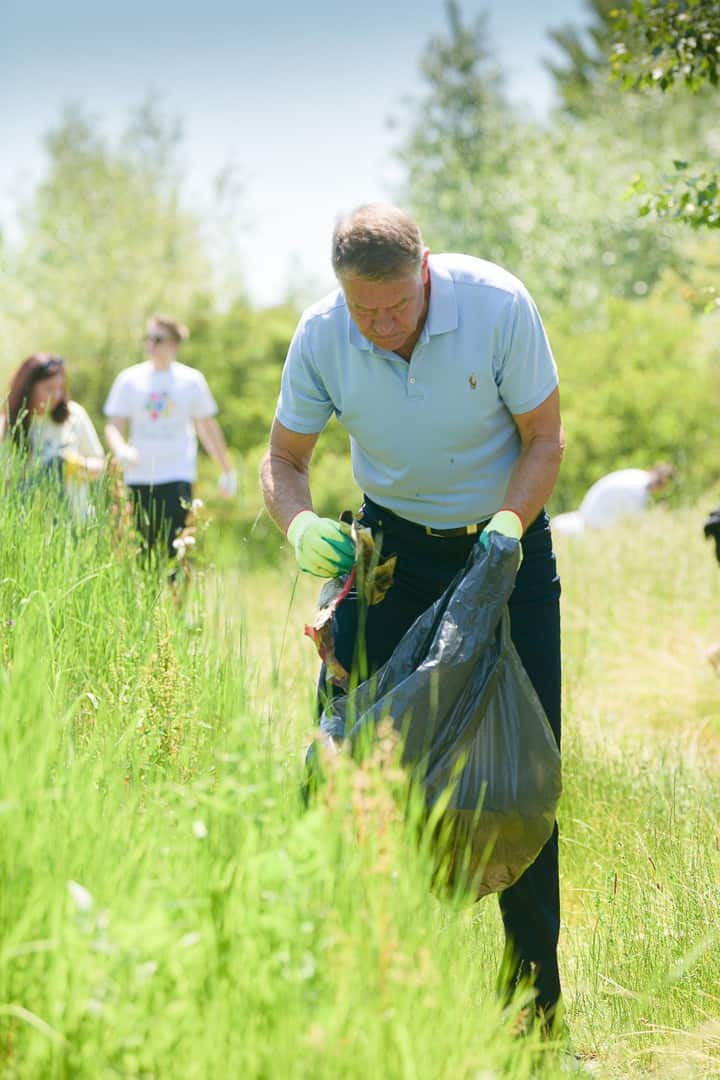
<point x="384" y="322"/>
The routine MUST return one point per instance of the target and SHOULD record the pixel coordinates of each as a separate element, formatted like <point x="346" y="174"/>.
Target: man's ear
<point x="424" y="268"/>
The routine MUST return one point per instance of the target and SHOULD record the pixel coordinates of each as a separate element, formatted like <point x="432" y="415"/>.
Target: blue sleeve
<point x="527" y="374"/>
<point x="304" y="404"/>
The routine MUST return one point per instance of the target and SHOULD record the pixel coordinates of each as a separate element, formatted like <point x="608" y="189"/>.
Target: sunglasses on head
<point x="157" y="339"/>
<point x="48" y="367"/>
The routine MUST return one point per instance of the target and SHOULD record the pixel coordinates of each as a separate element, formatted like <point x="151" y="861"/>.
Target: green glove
<point x="506" y="522"/>
<point x="322" y="546"/>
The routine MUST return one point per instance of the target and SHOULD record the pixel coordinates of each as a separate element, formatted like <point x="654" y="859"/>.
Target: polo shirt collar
<point x="442" y="314"/>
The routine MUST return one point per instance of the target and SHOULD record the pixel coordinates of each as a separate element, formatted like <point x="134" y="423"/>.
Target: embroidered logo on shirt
<point x="159" y="405"/>
<point x="473" y="382"/>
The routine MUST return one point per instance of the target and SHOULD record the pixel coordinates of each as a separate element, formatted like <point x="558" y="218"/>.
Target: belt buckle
<point x="468" y="530"/>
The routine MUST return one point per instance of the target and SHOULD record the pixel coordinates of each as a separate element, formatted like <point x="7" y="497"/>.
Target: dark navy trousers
<point x="425" y="567"/>
<point x="160" y="512"/>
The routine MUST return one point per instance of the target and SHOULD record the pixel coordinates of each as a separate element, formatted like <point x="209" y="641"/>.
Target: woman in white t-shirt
<point x="55" y="433"/>
<point x="167" y="406"/>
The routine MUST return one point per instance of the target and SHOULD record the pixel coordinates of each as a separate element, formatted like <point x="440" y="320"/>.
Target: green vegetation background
<point x="628" y="300"/>
<point x="166" y="907"/>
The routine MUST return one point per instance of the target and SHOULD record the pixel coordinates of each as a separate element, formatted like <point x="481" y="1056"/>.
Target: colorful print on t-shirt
<point x="159" y="405"/>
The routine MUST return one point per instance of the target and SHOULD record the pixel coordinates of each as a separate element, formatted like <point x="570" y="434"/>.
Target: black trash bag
<point x="474" y="732"/>
<point x="711" y="528"/>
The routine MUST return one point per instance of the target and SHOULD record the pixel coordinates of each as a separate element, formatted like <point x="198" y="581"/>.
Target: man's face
<point x="388" y="313"/>
<point x="159" y="342"/>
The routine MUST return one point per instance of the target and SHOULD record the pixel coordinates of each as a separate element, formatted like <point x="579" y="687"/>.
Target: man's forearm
<point x="213" y="440"/>
<point x="285" y="488"/>
<point x="115" y="439"/>
<point x="533" y="478"/>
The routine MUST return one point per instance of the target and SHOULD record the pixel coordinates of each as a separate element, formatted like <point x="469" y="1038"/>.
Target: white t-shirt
<point x="50" y="441"/>
<point x="619" y="494"/>
<point x="161" y="407"/>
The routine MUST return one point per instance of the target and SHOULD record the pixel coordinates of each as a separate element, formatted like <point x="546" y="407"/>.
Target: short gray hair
<point x="378" y="242"/>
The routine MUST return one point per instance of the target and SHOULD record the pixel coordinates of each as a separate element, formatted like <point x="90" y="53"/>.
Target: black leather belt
<point x="440" y="534"/>
<point x="463" y="530"/>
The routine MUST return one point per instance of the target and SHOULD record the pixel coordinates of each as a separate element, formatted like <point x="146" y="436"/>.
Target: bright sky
<point x="296" y="96"/>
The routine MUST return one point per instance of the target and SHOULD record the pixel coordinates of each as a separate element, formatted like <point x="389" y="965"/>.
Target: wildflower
<point x="81" y="897"/>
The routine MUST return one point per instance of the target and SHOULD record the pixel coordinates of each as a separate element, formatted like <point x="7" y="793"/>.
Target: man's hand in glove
<point x="506" y="522"/>
<point x="322" y="546"/>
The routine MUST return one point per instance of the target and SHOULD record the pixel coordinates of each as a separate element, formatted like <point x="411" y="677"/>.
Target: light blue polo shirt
<point x="433" y="439"/>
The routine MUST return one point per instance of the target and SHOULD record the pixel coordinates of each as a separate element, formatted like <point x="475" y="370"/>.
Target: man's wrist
<point x="298" y="522"/>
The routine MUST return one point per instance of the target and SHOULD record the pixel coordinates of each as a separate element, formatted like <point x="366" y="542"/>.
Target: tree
<point x="584" y="54"/>
<point x="461" y="129"/>
<point x="662" y="43"/>
<point x="484" y="179"/>
<point x="658" y="45"/>
<point x="106" y="241"/>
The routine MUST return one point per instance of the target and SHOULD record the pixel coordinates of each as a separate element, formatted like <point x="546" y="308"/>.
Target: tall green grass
<point x="169" y="909"/>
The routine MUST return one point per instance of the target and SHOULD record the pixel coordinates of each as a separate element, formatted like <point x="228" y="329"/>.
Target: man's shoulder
<point x="329" y="308"/>
<point x="625" y="478"/>
<point x="134" y="372"/>
<point x="480" y="273"/>
<point x="618" y="481"/>
<point x="186" y="372"/>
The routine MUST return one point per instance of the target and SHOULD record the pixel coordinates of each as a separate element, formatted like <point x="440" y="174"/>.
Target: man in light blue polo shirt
<point x="440" y="370"/>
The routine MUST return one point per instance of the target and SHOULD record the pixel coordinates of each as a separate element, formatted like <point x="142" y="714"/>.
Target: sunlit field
<point x="169" y="908"/>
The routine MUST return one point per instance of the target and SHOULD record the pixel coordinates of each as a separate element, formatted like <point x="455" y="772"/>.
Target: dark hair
<point x="37" y="367"/>
<point x="378" y="242"/>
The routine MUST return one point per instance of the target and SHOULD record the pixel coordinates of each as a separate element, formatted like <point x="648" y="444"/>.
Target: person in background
<point x="167" y="406"/>
<point x="55" y="433"/>
<point x="624" y="493"/>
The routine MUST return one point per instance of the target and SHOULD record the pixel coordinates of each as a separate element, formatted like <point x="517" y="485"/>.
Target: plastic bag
<point x="711" y="528"/>
<point x="475" y="735"/>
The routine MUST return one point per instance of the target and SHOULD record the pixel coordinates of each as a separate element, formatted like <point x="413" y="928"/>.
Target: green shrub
<point x="635" y="389"/>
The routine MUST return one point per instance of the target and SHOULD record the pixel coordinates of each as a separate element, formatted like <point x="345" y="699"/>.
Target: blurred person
<point x="439" y="368"/>
<point x="55" y="433"/>
<point x="620" y="494"/>
<point x="167" y="406"/>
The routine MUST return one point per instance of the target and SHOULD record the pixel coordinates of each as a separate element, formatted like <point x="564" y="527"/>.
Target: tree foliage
<point x="660" y="44"/>
<point x="583" y="51"/>
<point x="692" y="198"/>
<point x="635" y="391"/>
<point x="545" y="202"/>
<point x="106" y="241"/>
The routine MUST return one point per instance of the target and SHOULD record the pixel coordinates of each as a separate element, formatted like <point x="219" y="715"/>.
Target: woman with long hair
<point x="53" y="432"/>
